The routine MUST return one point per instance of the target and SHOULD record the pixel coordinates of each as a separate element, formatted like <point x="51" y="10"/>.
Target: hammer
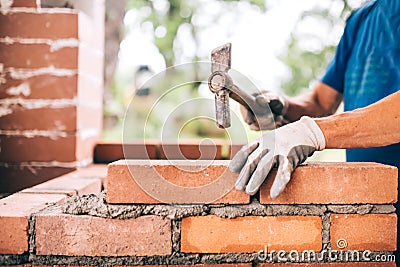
<point x="221" y="84"/>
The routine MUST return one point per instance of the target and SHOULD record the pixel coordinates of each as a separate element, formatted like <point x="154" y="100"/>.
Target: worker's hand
<point x="270" y="120"/>
<point x="286" y="147"/>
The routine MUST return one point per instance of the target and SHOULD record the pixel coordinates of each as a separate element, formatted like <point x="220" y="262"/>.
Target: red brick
<point x="14" y="177"/>
<point x="338" y="183"/>
<point x="66" y="149"/>
<point x="71" y="235"/>
<point x="109" y="151"/>
<point x="70" y="184"/>
<point x="45" y="86"/>
<point x="233" y="149"/>
<point x="31" y="56"/>
<point x="50" y="119"/>
<point x="40" y="25"/>
<point x="24" y="3"/>
<point x="194" y="182"/>
<point x="191" y="149"/>
<point x="39" y="148"/>
<point x="211" y="234"/>
<point x="376" y="232"/>
<point x="14" y="212"/>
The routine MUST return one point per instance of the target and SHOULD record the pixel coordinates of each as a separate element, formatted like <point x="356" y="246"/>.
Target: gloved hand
<point x="286" y="147"/>
<point x="270" y="120"/>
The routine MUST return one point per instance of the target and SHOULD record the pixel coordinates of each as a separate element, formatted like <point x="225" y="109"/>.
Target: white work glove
<point x="269" y="120"/>
<point x="286" y="147"/>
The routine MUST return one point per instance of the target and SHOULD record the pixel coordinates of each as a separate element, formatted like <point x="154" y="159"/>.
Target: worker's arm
<point x="375" y="125"/>
<point x="322" y="101"/>
<point x="290" y="145"/>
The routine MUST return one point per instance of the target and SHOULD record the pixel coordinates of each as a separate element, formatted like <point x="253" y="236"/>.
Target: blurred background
<point x="277" y="45"/>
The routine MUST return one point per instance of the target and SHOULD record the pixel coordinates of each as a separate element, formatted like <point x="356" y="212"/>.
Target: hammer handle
<point x="246" y="100"/>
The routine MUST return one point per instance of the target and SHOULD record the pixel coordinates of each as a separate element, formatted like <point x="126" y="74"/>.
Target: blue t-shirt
<point x="366" y="67"/>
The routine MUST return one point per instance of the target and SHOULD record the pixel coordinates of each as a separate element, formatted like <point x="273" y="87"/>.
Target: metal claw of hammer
<point x="221" y="84"/>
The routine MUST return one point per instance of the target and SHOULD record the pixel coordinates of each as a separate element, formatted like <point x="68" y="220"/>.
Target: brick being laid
<point x="176" y="181"/>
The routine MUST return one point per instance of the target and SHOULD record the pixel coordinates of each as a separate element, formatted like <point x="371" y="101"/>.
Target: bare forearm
<point x="375" y="125"/>
<point x="319" y="102"/>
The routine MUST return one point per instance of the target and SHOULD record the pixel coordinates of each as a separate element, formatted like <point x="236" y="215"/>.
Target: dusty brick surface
<point x="337" y="183"/>
<point x="70" y="184"/>
<point x="376" y="232"/>
<point x="14" y="213"/>
<point x="123" y="188"/>
<point x="211" y="234"/>
<point x="40" y="25"/>
<point x="71" y="235"/>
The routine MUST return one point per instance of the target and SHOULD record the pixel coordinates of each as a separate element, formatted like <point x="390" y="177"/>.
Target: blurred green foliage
<point x="305" y="64"/>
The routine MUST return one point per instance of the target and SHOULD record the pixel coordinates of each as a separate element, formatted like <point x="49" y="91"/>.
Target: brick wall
<point x="51" y="80"/>
<point x="342" y="213"/>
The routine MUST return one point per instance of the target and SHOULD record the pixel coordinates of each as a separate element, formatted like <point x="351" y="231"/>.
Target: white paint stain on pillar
<point x="22" y="89"/>
<point x="5" y="5"/>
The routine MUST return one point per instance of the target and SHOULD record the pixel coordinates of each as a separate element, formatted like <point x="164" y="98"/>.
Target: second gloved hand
<point x="287" y="147"/>
<point x="275" y="105"/>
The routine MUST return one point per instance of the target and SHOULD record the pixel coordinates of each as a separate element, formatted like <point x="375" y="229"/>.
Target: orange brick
<point x="31" y="56"/>
<point x="71" y="235"/>
<point x="109" y="151"/>
<point x="41" y="25"/>
<point x="211" y="234"/>
<point x="376" y="232"/>
<point x="70" y="184"/>
<point x="191" y="150"/>
<point x="192" y="182"/>
<point x="334" y="264"/>
<point x="337" y="183"/>
<point x="14" y="213"/>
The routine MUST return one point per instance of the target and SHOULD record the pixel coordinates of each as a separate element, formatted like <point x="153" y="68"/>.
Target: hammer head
<point x="219" y="83"/>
